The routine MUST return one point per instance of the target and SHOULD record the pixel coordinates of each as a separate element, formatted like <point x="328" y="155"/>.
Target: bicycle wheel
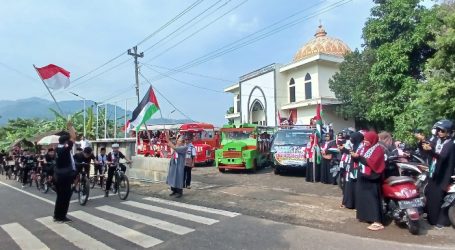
<point x="84" y="191"/>
<point x="93" y="181"/>
<point x="123" y="187"/>
<point x="38" y="182"/>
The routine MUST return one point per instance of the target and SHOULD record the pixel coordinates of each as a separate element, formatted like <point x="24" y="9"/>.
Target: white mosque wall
<point x="282" y="90"/>
<point x="326" y="71"/>
<point x="261" y="88"/>
<point x="299" y="77"/>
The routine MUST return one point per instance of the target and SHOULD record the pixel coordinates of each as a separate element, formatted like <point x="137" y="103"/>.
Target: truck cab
<point x="244" y="147"/>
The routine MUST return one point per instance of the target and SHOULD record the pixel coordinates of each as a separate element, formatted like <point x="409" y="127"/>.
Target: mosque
<point x="292" y="91"/>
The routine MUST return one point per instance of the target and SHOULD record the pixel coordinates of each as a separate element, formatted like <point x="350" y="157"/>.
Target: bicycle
<point x="121" y="182"/>
<point x="99" y="179"/>
<point x="82" y="186"/>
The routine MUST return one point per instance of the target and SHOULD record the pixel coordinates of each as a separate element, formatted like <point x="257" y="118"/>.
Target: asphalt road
<point x="144" y="222"/>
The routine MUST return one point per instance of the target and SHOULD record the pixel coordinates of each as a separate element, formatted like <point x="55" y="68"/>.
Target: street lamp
<point x="169" y="116"/>
<point x="85" y="112"/>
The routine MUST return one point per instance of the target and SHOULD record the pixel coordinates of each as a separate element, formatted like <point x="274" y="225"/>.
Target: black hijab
<point x="356" y="139"/>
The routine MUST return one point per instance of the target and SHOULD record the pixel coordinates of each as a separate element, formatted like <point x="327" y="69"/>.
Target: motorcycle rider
<point x="441" y="171"/>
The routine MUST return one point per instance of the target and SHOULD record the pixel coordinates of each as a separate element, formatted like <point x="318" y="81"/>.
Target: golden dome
<point x="321" y="43"/>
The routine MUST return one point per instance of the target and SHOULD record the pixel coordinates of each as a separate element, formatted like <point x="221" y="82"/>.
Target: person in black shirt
<point x="63" y="174"/>
<point x="83" y="160"/>
<point x="49" y="162"/>
<point x="113" y="159"/>
<point x="28" y="162"/>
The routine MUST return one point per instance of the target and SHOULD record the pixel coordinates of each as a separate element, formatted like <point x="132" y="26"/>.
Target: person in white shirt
<point x="84" y="143"/>
<point x="189" y="162"/>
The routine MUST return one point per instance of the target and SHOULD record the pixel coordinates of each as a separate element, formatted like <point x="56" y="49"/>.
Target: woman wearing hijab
<point x="351" y="168"/>
<point x="368" y="198"/>
<point x="326" y="161"/>
<point x="176" y="171"/>
<point x="441" y="170"/>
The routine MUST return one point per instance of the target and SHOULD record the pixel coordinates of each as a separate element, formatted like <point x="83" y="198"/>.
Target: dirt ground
<point x="287" y="199"/>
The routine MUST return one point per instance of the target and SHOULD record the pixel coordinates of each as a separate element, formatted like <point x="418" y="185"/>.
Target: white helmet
<point x="115" y="145"/>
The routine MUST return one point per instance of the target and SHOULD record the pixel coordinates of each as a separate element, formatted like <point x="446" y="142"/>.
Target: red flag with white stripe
<point x="54" y="76"/>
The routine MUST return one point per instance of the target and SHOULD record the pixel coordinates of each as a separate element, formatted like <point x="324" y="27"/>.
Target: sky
<point x="83" y="35"/>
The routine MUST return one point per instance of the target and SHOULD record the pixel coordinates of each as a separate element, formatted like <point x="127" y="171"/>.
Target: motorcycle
<point x="449" y="201"/>
<point x="402" y="200"/>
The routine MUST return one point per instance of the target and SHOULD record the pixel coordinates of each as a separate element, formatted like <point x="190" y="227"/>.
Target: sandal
<point x="342" y="206"/>
<point x="375" y="227"/>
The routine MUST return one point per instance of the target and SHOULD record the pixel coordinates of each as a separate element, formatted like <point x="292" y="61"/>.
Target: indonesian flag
<point x="54" y="76"/>
<point x="145" y="110"/>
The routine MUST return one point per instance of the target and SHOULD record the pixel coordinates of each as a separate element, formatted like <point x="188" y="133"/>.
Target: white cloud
<point x="240" y="25"/>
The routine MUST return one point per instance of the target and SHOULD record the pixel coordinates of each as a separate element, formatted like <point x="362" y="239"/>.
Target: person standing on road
<point x="326" y="161"/>
<point x="368" y="186"/>
<point x="28" y="162"/>
<point x="176" y="165"/>
<point x="64" y="174"/>
<point x="441" y="170"/>
<point x="189" y="161"/>
<point x="351" y="168"/>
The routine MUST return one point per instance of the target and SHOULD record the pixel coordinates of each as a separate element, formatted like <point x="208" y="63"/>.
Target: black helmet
<point x="88" y="150"/>
<point x="445" y="124"/>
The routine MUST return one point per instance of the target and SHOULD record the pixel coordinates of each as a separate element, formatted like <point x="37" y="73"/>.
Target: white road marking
<point x="181" y="215"/>
<point x="193" y="207"/>
<point x="92" y="198"/>
<point x="73" y="235"/>
<point x="23" y="238"/>
<point x="128" y="234"/>
<point x="28" y="193"/>
<point x="164" y="225"/>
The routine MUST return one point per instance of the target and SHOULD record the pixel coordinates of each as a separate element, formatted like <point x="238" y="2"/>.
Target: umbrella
<point x="49" y="140"/>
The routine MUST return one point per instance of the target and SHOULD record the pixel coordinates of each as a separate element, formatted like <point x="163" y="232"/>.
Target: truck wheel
<point x="222" y="170"/>
<point x="276" y="171"/>
<point x="452" y="215"/>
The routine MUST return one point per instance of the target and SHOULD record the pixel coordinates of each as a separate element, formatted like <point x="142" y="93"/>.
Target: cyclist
<point x="112" y="160"/>
<point x="102" y="161"/>
<point x="49" y="163"/>
<point x="83" y="160"/>
<point x="28" y="162"/>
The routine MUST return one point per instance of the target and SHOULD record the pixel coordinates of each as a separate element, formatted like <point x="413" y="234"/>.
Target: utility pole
<point x="136" y="55"/>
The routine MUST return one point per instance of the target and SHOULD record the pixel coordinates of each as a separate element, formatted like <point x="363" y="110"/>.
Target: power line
<point x="233" y="46"/>
<point x="197" y="31"/>
<point x="191" y="73"/>
<point x="170" y="103"/>
<point x="193" y="5"/>
<point x="184" y="25"/>
<point x="4" y="65"/>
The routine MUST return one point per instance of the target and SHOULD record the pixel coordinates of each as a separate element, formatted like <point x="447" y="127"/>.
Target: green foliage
<point x="410" y="82"/>
<point x="29" y="128"/>
<point x="352" y="85"/>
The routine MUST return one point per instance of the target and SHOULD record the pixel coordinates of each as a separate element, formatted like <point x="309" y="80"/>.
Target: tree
<point x="230" y="111"/>
<point x="398" y="33"/>
<point x="352" y="85"/>
<point x="436" y="96"/>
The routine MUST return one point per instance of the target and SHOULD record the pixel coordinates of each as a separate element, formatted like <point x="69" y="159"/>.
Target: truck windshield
<point x="290" y="137"/>
<point x="240" y="135"/>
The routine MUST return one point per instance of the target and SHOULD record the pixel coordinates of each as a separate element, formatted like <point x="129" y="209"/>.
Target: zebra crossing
<point x="142" y="224"/>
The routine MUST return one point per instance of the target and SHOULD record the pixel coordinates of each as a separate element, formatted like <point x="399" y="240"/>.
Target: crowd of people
<point x="362" y="156"/>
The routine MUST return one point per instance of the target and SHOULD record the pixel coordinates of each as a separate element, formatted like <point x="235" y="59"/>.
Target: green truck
<point x="244" y="147"/>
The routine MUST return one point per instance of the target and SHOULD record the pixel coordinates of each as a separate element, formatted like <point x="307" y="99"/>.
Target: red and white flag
<point x="54" y="76"/>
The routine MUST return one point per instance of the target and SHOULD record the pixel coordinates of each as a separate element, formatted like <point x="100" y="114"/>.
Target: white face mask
<point x="434" y="132"/>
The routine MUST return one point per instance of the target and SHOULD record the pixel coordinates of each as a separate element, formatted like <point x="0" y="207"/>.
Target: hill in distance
<point x="40" y="108"/>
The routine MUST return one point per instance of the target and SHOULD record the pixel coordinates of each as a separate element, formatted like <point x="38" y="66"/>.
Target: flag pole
<point x="58" y="106"/>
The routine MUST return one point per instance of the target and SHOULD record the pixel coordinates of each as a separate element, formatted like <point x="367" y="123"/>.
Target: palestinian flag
<point x="145" y="110"/>
<point x="318" y="121"/>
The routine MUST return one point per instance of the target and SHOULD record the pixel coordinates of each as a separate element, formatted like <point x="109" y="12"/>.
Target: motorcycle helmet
<point x="445" y="125"/>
